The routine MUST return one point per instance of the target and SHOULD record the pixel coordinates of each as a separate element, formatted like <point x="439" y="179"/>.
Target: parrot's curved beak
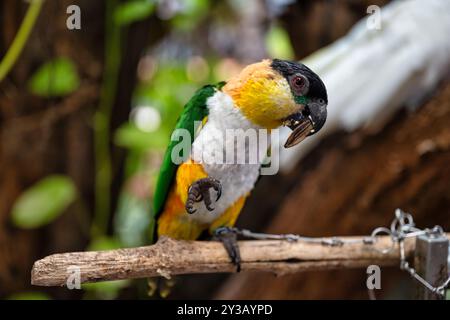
<point x="305" y="123"/>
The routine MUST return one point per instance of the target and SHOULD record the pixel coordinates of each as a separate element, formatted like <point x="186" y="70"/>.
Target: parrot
<point x="194" y="197"/>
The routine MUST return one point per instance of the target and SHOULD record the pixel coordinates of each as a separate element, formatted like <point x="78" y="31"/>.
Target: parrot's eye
<point x="299" y="84"/>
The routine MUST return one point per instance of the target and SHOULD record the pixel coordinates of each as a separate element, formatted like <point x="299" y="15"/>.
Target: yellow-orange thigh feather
<point x="175" y="222"/>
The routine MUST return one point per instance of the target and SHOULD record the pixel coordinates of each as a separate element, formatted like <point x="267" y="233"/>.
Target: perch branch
<point x="171" y="257"/>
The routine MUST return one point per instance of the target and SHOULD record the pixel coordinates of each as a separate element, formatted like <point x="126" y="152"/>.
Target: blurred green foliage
<point x="131" y="137"/>
<point x="168" y="91"/>
<point x="193" y="11"/>
<point x="278" y="43"/>
<point x="133" y="11"/>
<point x="43" y="202"/>
<point x="55" y="78"/>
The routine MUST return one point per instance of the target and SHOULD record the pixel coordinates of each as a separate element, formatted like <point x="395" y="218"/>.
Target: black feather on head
<point x="287" y="69"/>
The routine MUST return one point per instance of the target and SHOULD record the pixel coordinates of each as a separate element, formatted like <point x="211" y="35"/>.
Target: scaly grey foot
<point x="228" y="237"/>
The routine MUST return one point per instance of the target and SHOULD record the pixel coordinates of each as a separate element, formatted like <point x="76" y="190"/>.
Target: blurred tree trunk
<point x="314" y="24"/>
<point x="44" y="136"/>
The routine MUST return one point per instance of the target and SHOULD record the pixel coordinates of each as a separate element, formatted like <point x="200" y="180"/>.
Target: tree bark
<point x="171" y="257"/>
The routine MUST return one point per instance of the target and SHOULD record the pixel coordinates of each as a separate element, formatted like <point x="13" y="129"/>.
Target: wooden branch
<point x="170" y="257"/>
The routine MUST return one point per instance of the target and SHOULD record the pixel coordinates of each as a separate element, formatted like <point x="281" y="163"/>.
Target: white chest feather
<point x="216" y="148"/>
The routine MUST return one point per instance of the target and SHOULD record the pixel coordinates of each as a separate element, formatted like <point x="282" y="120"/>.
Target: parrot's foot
<point x="228" y="237"/>
<point x="199" y="191"/>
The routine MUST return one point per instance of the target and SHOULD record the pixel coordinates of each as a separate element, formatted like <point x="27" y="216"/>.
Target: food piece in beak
<point x="301" y="126"/>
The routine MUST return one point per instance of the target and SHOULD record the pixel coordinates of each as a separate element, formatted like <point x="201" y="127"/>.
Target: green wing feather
<point x="194" y="110"/>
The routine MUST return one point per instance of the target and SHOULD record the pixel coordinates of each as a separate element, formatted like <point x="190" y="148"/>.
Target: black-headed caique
<point x="198" y="195"/>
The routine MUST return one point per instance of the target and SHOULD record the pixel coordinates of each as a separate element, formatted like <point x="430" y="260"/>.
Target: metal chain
<point x="401" y="228"/>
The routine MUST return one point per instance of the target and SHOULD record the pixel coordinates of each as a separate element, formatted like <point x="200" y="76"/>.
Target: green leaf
<point x="133" y="11"/>
<point x="278" y="43"/>
<point x="43" y="202"/>
<point x="55" y="78"/>
<point x="29" y="296"/>
<point x="131" y="137"/>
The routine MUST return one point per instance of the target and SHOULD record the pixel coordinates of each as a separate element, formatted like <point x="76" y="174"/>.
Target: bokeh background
<point x="85" y="116"/>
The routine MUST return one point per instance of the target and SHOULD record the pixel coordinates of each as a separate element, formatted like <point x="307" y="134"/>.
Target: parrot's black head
<point x="309" y="92"/>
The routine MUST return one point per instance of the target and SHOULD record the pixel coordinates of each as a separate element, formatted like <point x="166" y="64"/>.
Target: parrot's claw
<point x="199" y="191"/>
<point x="228" y="237"/>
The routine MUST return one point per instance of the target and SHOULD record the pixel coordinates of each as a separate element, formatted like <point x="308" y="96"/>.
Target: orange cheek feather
<point x="262" y="95"/>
